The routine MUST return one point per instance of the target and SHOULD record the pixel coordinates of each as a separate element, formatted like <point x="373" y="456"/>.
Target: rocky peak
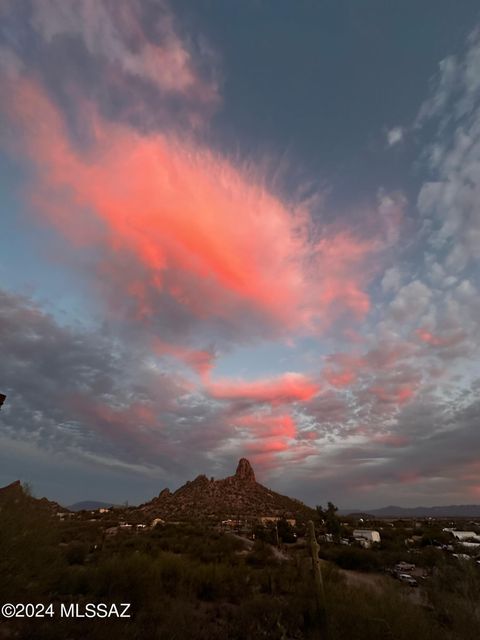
<point x="164" y="493"/>
<point x="13" y="488"/>
<point x="238" y="494"/>
<point x="244" y="471"/>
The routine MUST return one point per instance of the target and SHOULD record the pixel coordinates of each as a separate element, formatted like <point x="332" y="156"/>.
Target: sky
<point x="241" y="229"/>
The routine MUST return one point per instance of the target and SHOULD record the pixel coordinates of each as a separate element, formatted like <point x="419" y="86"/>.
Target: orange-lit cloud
<point x="263" y="453"/>
<point x="264" y="426"/>
<point x="168" y="218"/>
<point x="290" y="387"/>
<point x="343" y="378"/>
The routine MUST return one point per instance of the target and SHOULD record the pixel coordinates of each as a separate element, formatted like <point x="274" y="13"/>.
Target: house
<point x="465" y="536"/>
<point x="366" y="537"/>
<point x="266" y="520"/>
<point x="326" y="537"/>
<point x="232" y="523"/>
<point x="157" y="521"/>
<point x="63" y="514"/>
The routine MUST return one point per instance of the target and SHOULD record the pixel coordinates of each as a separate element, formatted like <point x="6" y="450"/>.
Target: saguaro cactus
<point x="318" y="581"/>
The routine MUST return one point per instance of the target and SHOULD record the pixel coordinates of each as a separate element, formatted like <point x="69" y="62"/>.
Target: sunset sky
<point x="241" y="229"/>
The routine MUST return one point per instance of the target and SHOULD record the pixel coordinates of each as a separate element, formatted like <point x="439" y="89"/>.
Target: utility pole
<point x="318" y="581"/>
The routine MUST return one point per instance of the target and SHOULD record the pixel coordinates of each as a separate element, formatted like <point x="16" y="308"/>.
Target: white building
<point x="366" y="537"/>
<point x="464" y="536"/>
<point x="157" y="521"/>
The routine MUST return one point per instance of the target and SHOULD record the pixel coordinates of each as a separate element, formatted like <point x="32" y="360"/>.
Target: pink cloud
<point x="267" y="426"/>
<point x="439" y="341"/>
<point x="135" y="425"/>
<point x="393" y="394"/>
<point x="290" y="387"/>
<point x="264" y="453"/>
<point x="170" y="218"/>
<point x="343" y="378"/>
<point x="200" y="360"/>
<point x="345" y="369"/>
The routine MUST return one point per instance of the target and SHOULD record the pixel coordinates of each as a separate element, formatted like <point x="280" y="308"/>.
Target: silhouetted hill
<point x="237" y="495"/>
<point x="15" y="493"/>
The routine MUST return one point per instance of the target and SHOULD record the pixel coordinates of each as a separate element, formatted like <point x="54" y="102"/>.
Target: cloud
<point x="391" y="280"/>
<point x="438" y="340"/>
<point x="181" y="238"/>
<point x="395" y="135"/>
<point x="340" y="379"/>
<point x="393" y="394"/>
<point x="77" y="392"/>
<point x="268" y="425"/>
<point x="411" y="301"/>
<point x="200" y="360"/>
<point x="85" y="396"/>
<point x="115" y="33"/>
<point x="427" y="455"/>
<point x="288" y="388"/>
<point x="450" y="199"/>
<point x="129" y="57"/>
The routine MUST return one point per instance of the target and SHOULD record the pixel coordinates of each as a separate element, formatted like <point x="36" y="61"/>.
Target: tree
<point x="329" y="518"/>
<point x="285" y="531"/>
<point x="27" y="489"/>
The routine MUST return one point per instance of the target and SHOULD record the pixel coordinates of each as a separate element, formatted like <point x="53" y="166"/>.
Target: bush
<point x="76" y="553"/>
<point x="353" y="558"/>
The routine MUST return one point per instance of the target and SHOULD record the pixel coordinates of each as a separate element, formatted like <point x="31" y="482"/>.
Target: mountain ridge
<point x="445" y="511"/>
<point x="233" y="496"/>
<point x="15" y="493"/>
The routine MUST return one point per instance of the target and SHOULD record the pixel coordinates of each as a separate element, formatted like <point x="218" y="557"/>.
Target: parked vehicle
<point x="408" y="579"/>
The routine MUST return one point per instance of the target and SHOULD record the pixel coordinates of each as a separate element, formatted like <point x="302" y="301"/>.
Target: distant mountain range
<point x="450" y="511"/>
<point x="90" y="505"/>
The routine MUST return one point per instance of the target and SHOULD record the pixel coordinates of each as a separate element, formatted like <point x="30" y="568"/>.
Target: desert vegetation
<point x="191" y="581"/>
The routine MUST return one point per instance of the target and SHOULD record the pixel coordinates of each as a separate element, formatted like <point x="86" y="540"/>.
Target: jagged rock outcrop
<point x="15" y="494"/>
<point x="12" y="489"/>
<point x="237" y="495"/>
<point x="244" y="471"/>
